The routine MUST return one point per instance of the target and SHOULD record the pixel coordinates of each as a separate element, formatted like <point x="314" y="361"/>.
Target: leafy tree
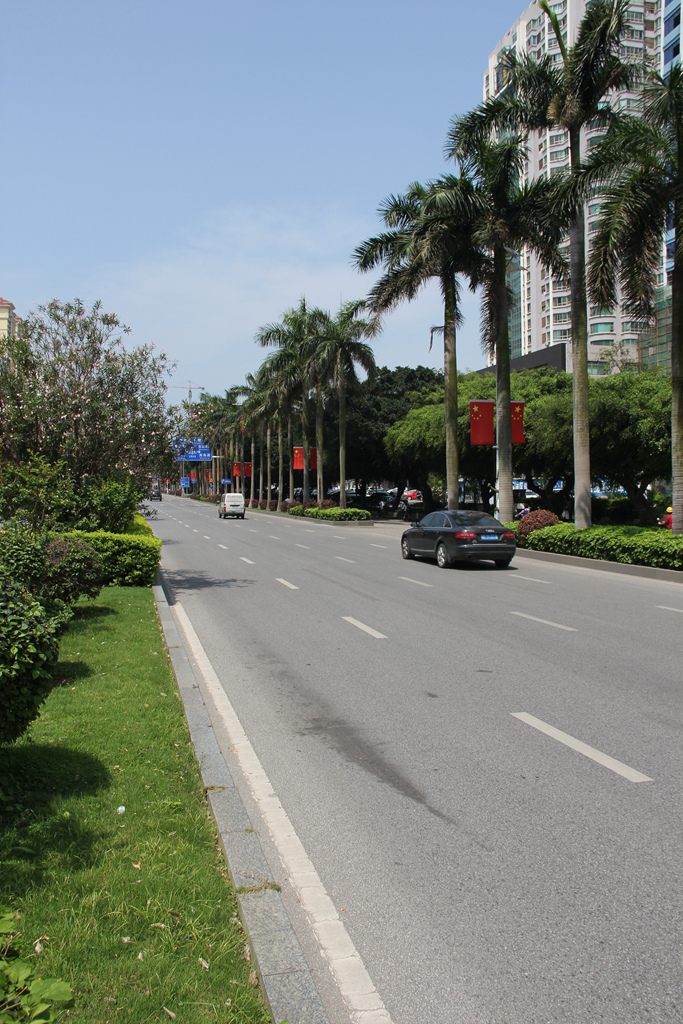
<point x="568" y="94"/>
<point x="70" y="392"/>
<point x="640" y="166"/>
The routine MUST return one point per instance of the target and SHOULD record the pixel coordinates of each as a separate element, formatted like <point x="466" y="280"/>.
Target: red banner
<point x="481" y="422"/>
<point x="299" y="458"/>
<point x="517" y="415"/>
<point x="237" y="469"/>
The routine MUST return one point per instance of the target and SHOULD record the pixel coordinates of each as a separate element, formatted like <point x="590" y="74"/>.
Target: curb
<point x="285" y="976"/>
<point x="601" y="565"/>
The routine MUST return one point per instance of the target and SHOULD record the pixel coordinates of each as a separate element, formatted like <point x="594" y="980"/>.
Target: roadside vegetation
<point x="107" y="854"/>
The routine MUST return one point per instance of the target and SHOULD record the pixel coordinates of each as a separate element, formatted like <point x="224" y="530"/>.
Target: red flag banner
<point x="517" y="416"/>
<point x="313" y="458"/>
<point x="481" y="422"/>
<point x="247" y="469"/>
<point x="298" y="458"/>
<point x="237" y="469"/>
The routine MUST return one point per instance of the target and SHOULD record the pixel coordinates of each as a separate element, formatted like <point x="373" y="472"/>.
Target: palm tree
<point x="506" y="216"/>
<point x="339" y="350"/>
<point x="640" y="168"/>
<point x="415" y="249"/>
<point x="293" y="337"/>
<point x="570" y="95"/>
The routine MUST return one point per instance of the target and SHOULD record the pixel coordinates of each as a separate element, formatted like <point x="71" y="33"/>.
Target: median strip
<point x="595" y="755"/>
<point x="366" y="629"/>
<point x="546" y="622"/>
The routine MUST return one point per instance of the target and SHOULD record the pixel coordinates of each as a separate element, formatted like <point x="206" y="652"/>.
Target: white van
<point x="231" y="505"/>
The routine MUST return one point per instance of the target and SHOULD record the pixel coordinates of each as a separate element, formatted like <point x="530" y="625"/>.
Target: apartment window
<point x="599" y="311"/>
<point x="594" y="209"/>
<point x="602" y="328"/>
<point x="596" y="367"/>
<point x="672" y="22"/>
<point x="559" y="154"/>
<point x="557" y="140"/>
<point x="561" y="300"/>
<point x="558" y="170"/>
<point x="562" y="334"/>
<point x="561" y="318"/>
<point x="671" y="52"/>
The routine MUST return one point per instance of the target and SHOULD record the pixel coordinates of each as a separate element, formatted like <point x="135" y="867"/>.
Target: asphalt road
<point x="487" y="872"/>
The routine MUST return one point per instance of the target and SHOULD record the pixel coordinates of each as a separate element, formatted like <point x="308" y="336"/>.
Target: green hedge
<point x="129" y="560"/>
<point x="634" y="545"/>
<point x="337" y="515"/>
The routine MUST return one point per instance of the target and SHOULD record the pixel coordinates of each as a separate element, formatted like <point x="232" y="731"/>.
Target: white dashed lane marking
<point x="273" y="537"/>
<point x="340" y="559"/>
<point x="303" y="546"/>
<point x="285" y="583"/>
<point x="665" y="608"/>
<point x="419" y="582"/>
<point x="383" y="546"/>
<point x="366" y="629"/>
<point x="595" y="755"/>
<point x="222" y="546"/>
<point x="532" y="579"/>
<point x="545" y="622"/>
<point x="247" y="560"/>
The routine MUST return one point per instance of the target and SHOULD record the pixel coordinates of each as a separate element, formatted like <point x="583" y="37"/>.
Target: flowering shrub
<point x="273" y="506"/>
<point x="327" y="504"/>
<point x="537" y="520"/>
<point x="263" y="504"/>
<point x="310" y="504"/>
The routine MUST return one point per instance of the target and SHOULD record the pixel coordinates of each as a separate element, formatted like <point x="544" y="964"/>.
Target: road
<point x="486" y="870"/>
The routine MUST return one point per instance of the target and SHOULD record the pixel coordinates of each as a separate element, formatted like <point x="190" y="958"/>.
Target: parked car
<point x="155" y="493"/>
<point x="459" y="537"/>
<point x="412" y="497"/>
<point x="231" y="505"/>
<point x="381" y="500"/>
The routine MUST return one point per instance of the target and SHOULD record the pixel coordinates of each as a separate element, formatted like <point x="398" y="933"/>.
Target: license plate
<point x="489" y="536"/>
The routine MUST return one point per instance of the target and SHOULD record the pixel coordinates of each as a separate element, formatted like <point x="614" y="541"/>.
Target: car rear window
<point x="473" y="519"/>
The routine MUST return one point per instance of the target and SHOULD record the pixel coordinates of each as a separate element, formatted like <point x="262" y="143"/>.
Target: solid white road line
<point x="546" y="622"/>
<point x="531" y="579"/>
<point x="666" y="608"/>
<point x="595" y="755"/>
<point x="303" y="546"/>
<point x="383" y="546"/>
<point x="286" y="584"/>
<point x="247" y="560"/>
<point x="366" y="629"/>
<point x="419" y="582"/>
<point x="340" y="559"/>
<point x="348" y="970"/>
<point x="222" y="546"/>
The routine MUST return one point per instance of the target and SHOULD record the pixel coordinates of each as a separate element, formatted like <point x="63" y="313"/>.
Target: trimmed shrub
<point x="108" y="505"/>
<point x="327" y="503"/>
<point x="634" y="545"/>
<point x="28" y="655"/>
<point x="295" y="510"/>
<point x="283" y="506"/>
<point x="74" y="569"/>
<point x="128" y="561"/>
<point x="338" y="515"/>
<point x="310" y="504"/>
<point x="537" y="520"/>
<point x="139" y="527"/>
<point x="273" y="505"/>
<point x="263" y="504"/>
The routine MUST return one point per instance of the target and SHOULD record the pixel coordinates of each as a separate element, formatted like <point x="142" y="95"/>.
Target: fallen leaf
<point x="253" y="979"/>
<point x="139" y="956"/>
<point x="136" y="866"/>
<point x="109" y="999"/>
<point x="157" y="926"/>
<point x="38" y="947"/>
<point x="228" y="1002"/>
<point x="126" y="939"/>
<point x="169" y="1012"/>
<point x="247" y="951"/>
<point x="204" y="964"/>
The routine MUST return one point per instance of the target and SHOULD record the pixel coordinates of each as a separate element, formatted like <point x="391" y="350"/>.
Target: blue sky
<point x="200" y="166"/>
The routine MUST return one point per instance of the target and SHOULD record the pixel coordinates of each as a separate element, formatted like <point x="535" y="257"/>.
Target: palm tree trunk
<point x="291" y="455"/>
<point x="280" y="460"/>
<point x="232" y="463"/>
<point x="450" y="369"/>
<point x="269" y="433"/>
<point x="579" y="316"/>
<point x="342" y="433"/>
<point x="677" y="384"/>
<point x="319" y="440"/>
<point x="260" y="461"/>
<point x="253" y="460"/>
<point x="503" y="418"/>
<point x="307" y="446"/>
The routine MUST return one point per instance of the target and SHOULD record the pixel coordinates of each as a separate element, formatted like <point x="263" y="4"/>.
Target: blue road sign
<point x="226" y="480"/>
<point x="192" y="450"/>
<point x="184" y="481"/>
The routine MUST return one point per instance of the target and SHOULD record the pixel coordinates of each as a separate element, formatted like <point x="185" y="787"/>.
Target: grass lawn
<point x="133" y="907"/>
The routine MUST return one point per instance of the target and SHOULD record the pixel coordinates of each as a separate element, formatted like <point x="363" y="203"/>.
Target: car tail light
<point x="465" y="534"/>
<point x="509" y="535"/>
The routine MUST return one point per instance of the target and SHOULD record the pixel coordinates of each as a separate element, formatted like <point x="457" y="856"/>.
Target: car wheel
<point x="242" y="516"/>
<point x="502" y="563"/>
<point x="442" y="559"/>
<point x="405" y="548"/>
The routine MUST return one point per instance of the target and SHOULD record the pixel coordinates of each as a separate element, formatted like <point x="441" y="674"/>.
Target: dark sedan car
<point x="459" y="537"/>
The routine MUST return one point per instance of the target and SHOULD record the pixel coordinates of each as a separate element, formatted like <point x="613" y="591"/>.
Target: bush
<point x="283" y="506"/>
<point x="537" y="520"/>
<point x="139" y="527"/>
<point x="75" y="569"/>
<point x="28" y="656"/>
<point x="295" y="510"/>
<point x="128" y="561"/>
<point x="634" y="545"/>
<point x="309" y="504"/>
<point x="327" y="503"/>
<point x="23" y="995"/>
<point x="273" y="505"/>
<point x="108" y="505"/>
<point x="263" y="504"/>
<point x="337" y="515"/>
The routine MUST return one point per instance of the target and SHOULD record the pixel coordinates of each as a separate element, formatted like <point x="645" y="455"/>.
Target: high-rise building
<point x="8" y="319"/>
<point x="542" y="314"/>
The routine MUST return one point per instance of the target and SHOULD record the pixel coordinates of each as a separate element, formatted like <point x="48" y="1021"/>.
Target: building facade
<point x="543" y="314"/>
<point x="9" y="321"/>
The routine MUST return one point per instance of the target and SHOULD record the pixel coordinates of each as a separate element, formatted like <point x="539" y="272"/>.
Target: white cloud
<point x="202" y="301"/>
